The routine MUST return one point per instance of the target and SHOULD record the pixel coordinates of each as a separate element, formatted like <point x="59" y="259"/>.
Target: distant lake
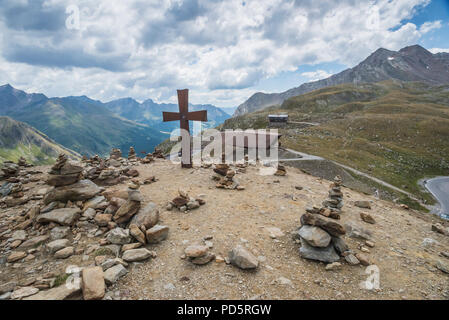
<point x="439" y="187"/>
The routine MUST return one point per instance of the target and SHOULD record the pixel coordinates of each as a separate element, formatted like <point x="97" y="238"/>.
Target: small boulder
<point x="114" y="273"/>
<point x="119" y="236"/>
<point x="134" y="255"/>
<point x="242" y="258"/>
<point x="93" y="283"/>
<point x="157" y="234"/>
<point x="315" y="236"/>
<point x="362" y="204"/>
<point x="367" y="218"/>
<point x="64" y="253"/>
<point x="64" y="216"/>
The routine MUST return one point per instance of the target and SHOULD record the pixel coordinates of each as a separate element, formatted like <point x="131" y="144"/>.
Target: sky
<point x="222" y="50"/>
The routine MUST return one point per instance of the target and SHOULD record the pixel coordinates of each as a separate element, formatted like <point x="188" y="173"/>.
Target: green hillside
<point x="18" y="139"/>
<point x="398" y="132"/>
<point x="78" y="123"/>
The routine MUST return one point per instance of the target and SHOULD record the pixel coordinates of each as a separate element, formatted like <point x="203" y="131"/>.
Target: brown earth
<point x="407" y="268"/>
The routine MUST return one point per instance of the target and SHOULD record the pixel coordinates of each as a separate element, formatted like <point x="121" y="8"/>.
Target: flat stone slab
<point x="327" y="255"/>
<point x="80" y="191"/>
<point x="64" y="216"/>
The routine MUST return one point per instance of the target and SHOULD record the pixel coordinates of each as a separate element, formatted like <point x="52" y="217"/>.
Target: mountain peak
<point x="415" y="50"/>
<point x="6" y="87"/>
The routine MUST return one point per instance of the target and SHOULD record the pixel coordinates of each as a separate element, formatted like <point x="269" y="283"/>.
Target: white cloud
<point x="429" y="26"/>
<point x="438" y="50"/>
<point x="218" y="49"/>
<point x="316" y="75"/>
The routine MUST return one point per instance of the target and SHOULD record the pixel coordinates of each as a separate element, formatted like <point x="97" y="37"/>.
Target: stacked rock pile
<point x="132" y="154"/>
<point x="158" y="153"/>
<point x="225" y="177"/>
<point x="281" y="171"/>
<point x="9" y="170"/>
<point x="23" y="163"/>
<point x="64" y="172"/>
<point x="199" y="254"/>
<point x="184" y="202"/>
<point x="335" y="199"/>
<point x="148" y="159"/>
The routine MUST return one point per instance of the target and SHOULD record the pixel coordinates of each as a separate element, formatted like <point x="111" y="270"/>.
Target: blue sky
<point x="222" y="50"/>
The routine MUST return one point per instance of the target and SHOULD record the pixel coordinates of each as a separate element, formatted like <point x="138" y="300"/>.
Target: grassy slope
<point x="88" y="128"/>
<point x="396" y="132"/>
<point x="20" y="140"/>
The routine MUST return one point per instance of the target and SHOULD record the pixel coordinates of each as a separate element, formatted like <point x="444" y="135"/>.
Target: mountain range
<point x="92" y="127"/>
<point x="150" y="113"/>
<point x="17" y="139"/>
<point x="413" y="63"/>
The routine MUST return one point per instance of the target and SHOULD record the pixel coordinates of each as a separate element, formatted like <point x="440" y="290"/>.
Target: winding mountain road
<point x="439" y="188"/>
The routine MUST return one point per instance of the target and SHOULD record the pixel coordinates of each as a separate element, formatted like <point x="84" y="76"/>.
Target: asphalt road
<point x="439" y="187"/>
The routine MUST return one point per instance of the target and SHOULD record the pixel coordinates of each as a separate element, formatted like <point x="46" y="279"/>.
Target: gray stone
<point x="315" y="236"/>
<point x="157" y="234"/>
<point x="94" y="203"/>
<point x="7" y="287"/>
<point x="114" y="273"/>
<point x="208" y="257"/>
<point x="357" y="232"/>
<point x="23" y="292"/>
<point x="63" y="292"/>
<point x="19" y="235"/>
<point x="352" y="259"/>
<point x="134" y="195"/>
<point x="89" y="213"/>
<point x="242" y="258"/>
<point x="147" y="216"/>
<point x="34" y="242"/>
<point x="134" y="255"/>
<point x="5" y="296"/>
<point x="119" y="236"/>
<point x="59" y="233"/>
<point x="362" y="204"/>
<point x="126" y="211"/>
<point x="64" y="216"/>
<point x="64" y="253"/>
<point x="57" y="245"/>
<point x="327" y="255"/>
<point x="339" y="245"/>
<point x="80" y="191"/>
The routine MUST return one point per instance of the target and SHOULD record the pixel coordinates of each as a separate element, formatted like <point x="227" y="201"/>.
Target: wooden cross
<point x="184" y="116"/>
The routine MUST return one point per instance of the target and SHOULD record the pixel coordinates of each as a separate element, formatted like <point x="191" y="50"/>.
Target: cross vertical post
<point x="184" y="116"/>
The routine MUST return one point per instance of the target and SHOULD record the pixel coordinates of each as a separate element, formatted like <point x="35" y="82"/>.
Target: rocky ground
<point x="151" y="230"/>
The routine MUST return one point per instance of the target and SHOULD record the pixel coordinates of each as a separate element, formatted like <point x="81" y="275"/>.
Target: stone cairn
<point x="184" y="202"/>
<point x="148" y="159"/>
<point x="320" y="235"/>
<point x="281" y="171"/>
<point x="64" y="172"/>
<point x="23" y="163"/>
<point x="158" y="153"/>
<point x="115" y="154"/>
<point x="9" y="170"/>
<point x="334" y="202"/>
<point x="131" y="206"/>
<point x="132" y="154"/>
<point x="224" y="176"/>
<point x="199" y="254"/>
